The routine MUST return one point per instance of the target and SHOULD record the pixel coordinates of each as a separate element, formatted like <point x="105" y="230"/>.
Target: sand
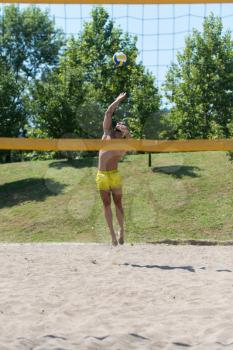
<point x="90" y="296"/>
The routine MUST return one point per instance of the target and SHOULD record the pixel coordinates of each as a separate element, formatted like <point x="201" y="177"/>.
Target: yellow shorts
<point x="108" y="180"/>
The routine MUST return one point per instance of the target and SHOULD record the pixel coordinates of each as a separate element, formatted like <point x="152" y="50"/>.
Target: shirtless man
<point x="108" y="178"/>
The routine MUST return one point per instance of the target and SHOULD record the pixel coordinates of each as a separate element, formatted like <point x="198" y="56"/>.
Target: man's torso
<point x="108" y="160"/>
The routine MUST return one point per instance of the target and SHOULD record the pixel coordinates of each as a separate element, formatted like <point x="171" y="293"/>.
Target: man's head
<point x="120" y="130"/>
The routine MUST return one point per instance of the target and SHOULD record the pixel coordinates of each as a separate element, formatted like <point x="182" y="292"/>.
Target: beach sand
<point x="72" y="296"/>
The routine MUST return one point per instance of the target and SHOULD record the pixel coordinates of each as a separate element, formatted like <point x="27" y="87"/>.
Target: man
<point x="108" y="179"/>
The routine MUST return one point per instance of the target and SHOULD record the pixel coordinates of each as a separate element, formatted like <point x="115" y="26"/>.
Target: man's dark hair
<point x="114" y="123"/>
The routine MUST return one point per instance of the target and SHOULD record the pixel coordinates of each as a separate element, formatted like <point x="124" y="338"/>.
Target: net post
<point x="149" y="159"/>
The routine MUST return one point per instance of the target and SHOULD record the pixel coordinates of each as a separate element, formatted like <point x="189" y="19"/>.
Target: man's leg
<point x="106" y="198"/>
<point x="117" y="198"/>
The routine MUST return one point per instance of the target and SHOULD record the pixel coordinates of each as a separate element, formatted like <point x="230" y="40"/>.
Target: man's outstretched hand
<point x="121" y="97"/>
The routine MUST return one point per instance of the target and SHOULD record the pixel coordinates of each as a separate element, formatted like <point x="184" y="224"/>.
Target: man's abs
<point x="108" y="160"/>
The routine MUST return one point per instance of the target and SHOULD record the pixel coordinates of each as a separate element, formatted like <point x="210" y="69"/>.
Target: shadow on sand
<point x="163" y="267"/>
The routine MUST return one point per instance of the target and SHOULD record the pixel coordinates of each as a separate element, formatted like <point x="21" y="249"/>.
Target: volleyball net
<point x="56" y="82"/>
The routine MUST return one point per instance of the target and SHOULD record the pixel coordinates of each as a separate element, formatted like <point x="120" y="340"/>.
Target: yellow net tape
<point x="9" y="143"/>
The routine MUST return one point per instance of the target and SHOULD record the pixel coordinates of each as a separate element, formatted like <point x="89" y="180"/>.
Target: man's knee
<point x="117" y="201"/>
<point x="107" y="202"/>
<point x="106" y="198"/>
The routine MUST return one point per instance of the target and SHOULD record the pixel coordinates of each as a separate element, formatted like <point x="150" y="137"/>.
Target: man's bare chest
<point x="113" y="155"/>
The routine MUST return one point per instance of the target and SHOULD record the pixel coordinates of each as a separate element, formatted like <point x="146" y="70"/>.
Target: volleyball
<point x="119" y="58"/>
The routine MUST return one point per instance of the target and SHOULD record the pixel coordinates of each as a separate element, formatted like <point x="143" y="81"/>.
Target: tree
<point x="199" y="86"/>
<point x="29" y="40"/>
<point x="11" y="111"/>
<point x="12" y="117"/>
<point x="30" y="45"/>
<point x="87" y="81"/>
<point x="55" y="102"/>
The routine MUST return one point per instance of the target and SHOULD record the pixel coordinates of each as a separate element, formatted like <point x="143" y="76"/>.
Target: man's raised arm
<point x="107" y="123"/>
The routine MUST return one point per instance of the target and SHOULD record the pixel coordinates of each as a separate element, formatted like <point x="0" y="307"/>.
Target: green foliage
<point x="30" y="45"/>
<point x="12" y="116"/>
<point x="11" y="110"/>
<point x="29" y="40"/>
<point x="73" y="98"/>
<point x="54" y="102"/>
<point x="199" y="86"/>
<point x="144" y="104"/>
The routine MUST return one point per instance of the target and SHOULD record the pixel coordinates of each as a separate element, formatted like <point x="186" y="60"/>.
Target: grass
<point x="184" y="196"/>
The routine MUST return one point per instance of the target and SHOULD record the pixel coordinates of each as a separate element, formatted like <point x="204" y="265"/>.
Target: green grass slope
<point x="183" y="196"/>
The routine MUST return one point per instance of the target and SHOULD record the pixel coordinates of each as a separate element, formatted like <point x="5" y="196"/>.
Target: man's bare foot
<point x="121" y="240"/>
<point x="114" y="239"/>
<point x="114" y="242"/>
<point x="121" y="237"/>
